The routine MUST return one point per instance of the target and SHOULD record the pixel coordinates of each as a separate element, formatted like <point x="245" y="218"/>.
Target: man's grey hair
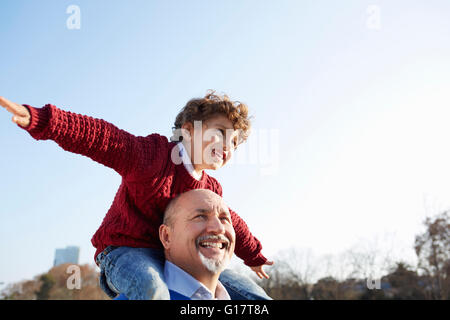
<point x="170" y="211"/>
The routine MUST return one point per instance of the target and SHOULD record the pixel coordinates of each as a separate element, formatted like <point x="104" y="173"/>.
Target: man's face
<point x="213" y="142"/>
<point x="201" y="237"/>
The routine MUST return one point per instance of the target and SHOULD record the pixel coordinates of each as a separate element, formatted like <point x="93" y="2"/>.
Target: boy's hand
<point x="21" y="116"/>
<point x="259" y="270"/>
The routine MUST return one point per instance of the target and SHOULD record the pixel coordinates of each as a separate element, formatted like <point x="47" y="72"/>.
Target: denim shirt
<point x="182" y="282"/>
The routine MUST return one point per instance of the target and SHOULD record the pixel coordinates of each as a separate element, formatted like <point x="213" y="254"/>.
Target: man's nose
<point x="215" y="225"/>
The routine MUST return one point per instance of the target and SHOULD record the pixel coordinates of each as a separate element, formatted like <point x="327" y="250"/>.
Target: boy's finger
<point x="6" y="103"/>
<point x="11" y="106"/>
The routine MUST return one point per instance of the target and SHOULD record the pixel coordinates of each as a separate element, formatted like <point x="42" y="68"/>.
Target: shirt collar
<point x="187" y="162"/>
<point x="182" y="282"/>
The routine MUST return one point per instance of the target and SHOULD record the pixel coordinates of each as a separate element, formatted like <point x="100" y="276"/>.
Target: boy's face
<point x="213" y="142"/>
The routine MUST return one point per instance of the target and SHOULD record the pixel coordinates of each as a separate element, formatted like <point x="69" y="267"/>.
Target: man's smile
<point x="212" y="245"/>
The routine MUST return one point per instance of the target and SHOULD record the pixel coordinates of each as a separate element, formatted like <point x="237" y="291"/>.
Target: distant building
<point x="68" y="255"/>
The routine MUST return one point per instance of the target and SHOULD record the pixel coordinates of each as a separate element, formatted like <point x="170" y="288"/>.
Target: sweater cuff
<point x="258" y="260"/>
<point x="39" y="120"/>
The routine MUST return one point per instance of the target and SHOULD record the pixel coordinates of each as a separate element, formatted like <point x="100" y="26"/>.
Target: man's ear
<point x="164" y="235"/>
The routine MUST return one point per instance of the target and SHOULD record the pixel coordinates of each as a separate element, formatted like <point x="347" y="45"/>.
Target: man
<point x="199" y="240"/>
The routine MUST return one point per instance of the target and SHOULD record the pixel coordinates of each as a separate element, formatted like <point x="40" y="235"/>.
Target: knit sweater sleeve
<point x="247" y="247"/>
<point x="94" y="138"/>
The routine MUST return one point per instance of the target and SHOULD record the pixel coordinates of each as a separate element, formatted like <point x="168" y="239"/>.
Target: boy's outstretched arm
<point x="95" y="138"/>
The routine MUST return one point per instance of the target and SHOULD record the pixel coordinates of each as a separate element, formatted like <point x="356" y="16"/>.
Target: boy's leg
<point x="136" y="272"/>
<point x="240" y="287"/>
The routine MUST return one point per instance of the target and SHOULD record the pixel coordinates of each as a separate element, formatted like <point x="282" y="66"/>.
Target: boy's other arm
<point x="94" y="138"/>
<point x="248" y="247"/>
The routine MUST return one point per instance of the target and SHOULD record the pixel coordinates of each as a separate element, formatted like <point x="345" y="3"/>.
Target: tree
<point x="54" y="285"/>
<point x="284" y="283"/>
<point x="290" y="276"/>
<point x="24" y="290"/>
<point x="47" y="283"/>
<point x="433" y="253"/>
<point x="406" y="284"/>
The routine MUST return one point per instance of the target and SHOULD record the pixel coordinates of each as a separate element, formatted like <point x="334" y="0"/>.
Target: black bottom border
<point x="224" y="309"/>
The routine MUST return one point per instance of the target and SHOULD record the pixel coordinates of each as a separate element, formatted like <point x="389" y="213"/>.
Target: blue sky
<point x="358" y="114"/>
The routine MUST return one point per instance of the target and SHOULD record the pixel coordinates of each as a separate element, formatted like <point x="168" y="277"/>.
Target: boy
<point x="153" y="172"/>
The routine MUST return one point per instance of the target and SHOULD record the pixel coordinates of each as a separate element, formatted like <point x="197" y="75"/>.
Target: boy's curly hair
<point x="202" y="109"/>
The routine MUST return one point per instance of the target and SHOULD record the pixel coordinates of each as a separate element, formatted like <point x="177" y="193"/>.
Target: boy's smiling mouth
<point x="218" y="155"/>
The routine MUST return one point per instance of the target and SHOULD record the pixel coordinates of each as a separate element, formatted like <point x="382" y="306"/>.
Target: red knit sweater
<point x="150" y="179"/>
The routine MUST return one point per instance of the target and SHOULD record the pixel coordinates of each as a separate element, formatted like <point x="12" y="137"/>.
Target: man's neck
<point x="209" y="282"/>
<point x="208" y="279"/>
<point x="205" y="277"/>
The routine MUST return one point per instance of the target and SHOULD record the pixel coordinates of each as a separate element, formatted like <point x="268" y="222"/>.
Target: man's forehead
<point x="203" y="200"/>
<point x="210" y="206"/>
<point x="208" y="203"/>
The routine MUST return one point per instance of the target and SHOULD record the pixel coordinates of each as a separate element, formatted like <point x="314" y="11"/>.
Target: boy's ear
<point x="164" y="235"/>
<point x="188" y="126"/>
<point x="187" y="129"/>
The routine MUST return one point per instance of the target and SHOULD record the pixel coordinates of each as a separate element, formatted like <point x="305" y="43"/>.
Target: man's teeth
<point x="219" y="245"/>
